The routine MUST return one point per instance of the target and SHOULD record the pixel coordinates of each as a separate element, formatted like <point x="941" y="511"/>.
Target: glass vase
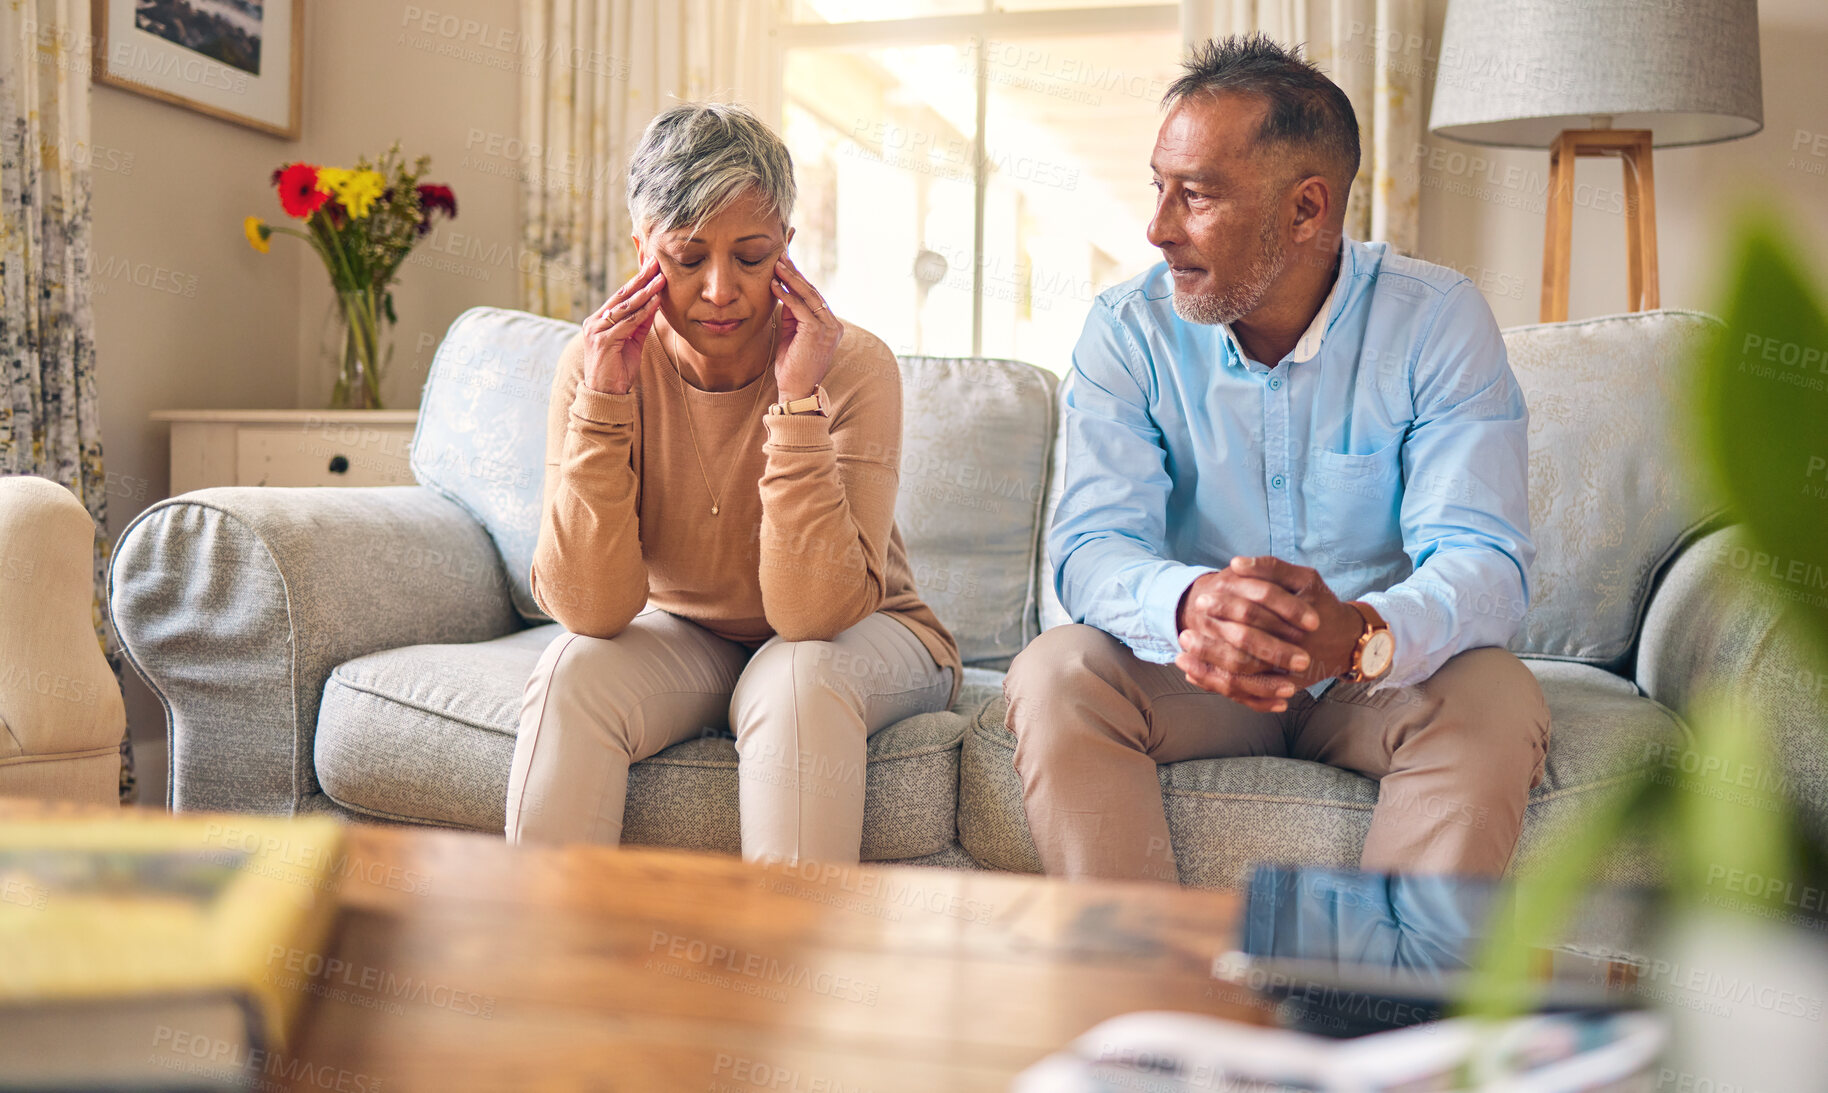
<point x="357" y="347"/>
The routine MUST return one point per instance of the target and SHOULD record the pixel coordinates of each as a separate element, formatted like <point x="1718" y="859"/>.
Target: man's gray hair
<point x="1306" y="110"/>
<point x="694" y="159"/>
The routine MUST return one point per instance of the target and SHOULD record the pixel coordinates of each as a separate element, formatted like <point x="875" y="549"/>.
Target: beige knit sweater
<point x="804" y="543"/>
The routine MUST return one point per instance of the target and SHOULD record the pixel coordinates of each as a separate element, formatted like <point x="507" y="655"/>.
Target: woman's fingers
<point x="800" y="288"/>
<point x="630" y="309"/>
<point x="797" y="307"/>
<point x="642" y="281"/>
<point x="642" y="276"/>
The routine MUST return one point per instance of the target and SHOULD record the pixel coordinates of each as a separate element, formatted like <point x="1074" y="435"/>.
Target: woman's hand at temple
<point x="809" y="333"/>
<point x="614" y="334"/>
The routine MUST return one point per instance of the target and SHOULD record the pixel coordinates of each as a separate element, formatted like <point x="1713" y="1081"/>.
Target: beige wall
<point x="1481" y="208"/>
<point x="187" y="315"/>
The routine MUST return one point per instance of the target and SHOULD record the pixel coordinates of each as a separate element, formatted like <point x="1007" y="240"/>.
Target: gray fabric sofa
<point x="363" y="651"/>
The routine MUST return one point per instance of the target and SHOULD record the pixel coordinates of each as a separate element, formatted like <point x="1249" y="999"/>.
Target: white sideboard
<point x="289" y="447"/>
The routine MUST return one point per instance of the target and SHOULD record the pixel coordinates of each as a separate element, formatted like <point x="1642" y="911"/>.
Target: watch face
<point x="1375" y="660"/>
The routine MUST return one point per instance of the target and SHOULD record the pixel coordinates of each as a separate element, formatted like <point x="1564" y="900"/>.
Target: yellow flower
<point x="257" y="233"/>
<point x="356" y="191"/>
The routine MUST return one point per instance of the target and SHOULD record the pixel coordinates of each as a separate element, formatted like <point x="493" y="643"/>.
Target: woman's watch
<point x="1375" y="650"/>
<point x="815" y="403"/>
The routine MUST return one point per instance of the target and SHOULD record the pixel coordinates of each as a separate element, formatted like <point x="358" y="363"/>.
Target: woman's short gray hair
<point x="694" y="159"/>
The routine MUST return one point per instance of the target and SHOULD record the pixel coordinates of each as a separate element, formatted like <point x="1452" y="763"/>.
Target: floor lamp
<point x="1598" y="79"/>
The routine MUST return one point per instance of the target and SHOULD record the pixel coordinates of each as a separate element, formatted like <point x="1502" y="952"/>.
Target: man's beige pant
<point x="1456" y="755"/>
<point x="802" y="712"/>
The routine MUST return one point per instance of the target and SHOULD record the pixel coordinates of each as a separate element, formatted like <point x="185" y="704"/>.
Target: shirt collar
<point x="1310" y="339"/>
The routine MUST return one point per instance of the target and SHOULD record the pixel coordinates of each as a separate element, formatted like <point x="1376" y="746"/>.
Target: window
<point x="972" y="176"/>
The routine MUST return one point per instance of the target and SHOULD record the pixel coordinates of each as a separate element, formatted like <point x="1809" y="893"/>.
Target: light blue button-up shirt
<point x="1388" y="450"/>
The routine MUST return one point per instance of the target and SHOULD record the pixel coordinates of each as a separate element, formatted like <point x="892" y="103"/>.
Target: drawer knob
<point x="339" y="464"/>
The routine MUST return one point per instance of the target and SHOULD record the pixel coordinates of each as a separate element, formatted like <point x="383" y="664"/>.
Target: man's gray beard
<point x="1245" y="294"/>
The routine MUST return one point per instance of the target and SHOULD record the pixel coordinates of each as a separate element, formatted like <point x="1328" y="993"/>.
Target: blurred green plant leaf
<point x="1733" y="837"/>
<point x="1717" y="811"/>
<point x="1763" y="418"/>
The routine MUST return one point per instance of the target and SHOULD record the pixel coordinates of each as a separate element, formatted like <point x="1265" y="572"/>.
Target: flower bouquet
<point x="363" y="222"/>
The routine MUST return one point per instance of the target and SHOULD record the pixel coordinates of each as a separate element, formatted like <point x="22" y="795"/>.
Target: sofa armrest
<point x="1719" y="619"/>
<point x="234" y="604"/>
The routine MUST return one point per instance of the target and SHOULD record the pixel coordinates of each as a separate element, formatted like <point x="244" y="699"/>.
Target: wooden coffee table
<point x="604" y="969"/>
<point x="467" y="963"/>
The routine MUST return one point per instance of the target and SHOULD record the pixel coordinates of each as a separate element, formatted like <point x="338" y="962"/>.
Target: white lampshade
<point x="1517" y="72"/>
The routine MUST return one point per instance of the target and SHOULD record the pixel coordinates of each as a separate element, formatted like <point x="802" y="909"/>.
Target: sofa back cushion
<point x="1052" y="612"/>
<point x="976" y="439"/>
<point x="481" y="439"/>
<point x="1613" y="492"/>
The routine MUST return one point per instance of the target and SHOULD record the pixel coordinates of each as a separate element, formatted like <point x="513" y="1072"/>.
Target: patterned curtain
<point x="604" y="67"/>
<point x="50" y="425"/>
<point x="1375" y="50"/>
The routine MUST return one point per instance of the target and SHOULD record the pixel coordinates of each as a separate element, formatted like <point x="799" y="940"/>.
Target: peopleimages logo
<point x="227" y="1062"/>
<point x="284" y="852"/>
<point x="329" y="976"/>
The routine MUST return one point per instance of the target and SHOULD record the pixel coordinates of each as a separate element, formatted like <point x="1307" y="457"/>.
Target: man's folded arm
<point x="1108" y="538"/>
<point x="1466" y="507"/>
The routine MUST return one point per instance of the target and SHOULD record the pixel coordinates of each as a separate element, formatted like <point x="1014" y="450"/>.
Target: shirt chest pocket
<point x="1353" y="502"/>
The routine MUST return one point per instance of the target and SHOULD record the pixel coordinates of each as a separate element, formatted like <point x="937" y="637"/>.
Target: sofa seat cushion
<point x="426" y="733"/>
<point x="1227" y="815"/>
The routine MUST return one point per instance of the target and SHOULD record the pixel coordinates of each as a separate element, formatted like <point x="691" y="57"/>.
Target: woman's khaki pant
<point x="802" y="712"/>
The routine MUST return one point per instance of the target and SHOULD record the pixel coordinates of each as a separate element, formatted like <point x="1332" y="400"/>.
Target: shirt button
<point x="1276" y="482"/>
<point x="1275" y="383"/>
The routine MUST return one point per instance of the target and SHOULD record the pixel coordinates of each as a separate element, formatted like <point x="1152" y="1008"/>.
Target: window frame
<point x="979" y="29"/>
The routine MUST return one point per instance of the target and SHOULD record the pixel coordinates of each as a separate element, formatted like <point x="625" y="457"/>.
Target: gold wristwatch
<point x="814" y="403"/>
<point x="1375" y="650"/>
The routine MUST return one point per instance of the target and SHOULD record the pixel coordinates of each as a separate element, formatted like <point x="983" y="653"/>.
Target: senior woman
<point x="722" y="450"/>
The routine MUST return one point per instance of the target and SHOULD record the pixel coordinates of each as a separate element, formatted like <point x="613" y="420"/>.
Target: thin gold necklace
<point x="685" y="405"/>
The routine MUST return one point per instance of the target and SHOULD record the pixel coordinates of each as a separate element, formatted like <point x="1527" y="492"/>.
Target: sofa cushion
<point x="481" y="439"/>
<point x="426" y="733"/>
<point x="1719" y="624"/>
<point x="976" y="437"/>
<point x="1611" y="493"/>
<point x="1227" y="815"/>
<point x="1053" y="613"/>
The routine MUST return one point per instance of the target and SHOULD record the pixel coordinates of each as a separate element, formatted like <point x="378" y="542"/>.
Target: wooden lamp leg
<point x="1558" y="229"/>
<point x="1632" y="146"/>
<point x="1640" y="226"/>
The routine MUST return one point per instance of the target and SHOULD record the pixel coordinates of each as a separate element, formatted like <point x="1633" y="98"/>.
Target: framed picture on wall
<point x="238" y="60"/>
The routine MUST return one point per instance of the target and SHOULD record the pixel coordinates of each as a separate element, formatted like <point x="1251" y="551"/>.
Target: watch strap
<point x="814" y="403"/>
<point x="1373" y="620"/>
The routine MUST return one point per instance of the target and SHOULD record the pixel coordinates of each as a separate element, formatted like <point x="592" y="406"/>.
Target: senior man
<point x="1295" y="518"/>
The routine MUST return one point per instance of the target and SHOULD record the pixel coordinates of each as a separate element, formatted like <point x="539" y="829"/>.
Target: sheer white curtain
<point x="602" y="70"/>
<point x="1375" y="50"/>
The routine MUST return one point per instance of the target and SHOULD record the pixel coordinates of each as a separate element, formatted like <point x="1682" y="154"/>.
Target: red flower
<point x="435" y="198"/>
<point x="298" y="191"/>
